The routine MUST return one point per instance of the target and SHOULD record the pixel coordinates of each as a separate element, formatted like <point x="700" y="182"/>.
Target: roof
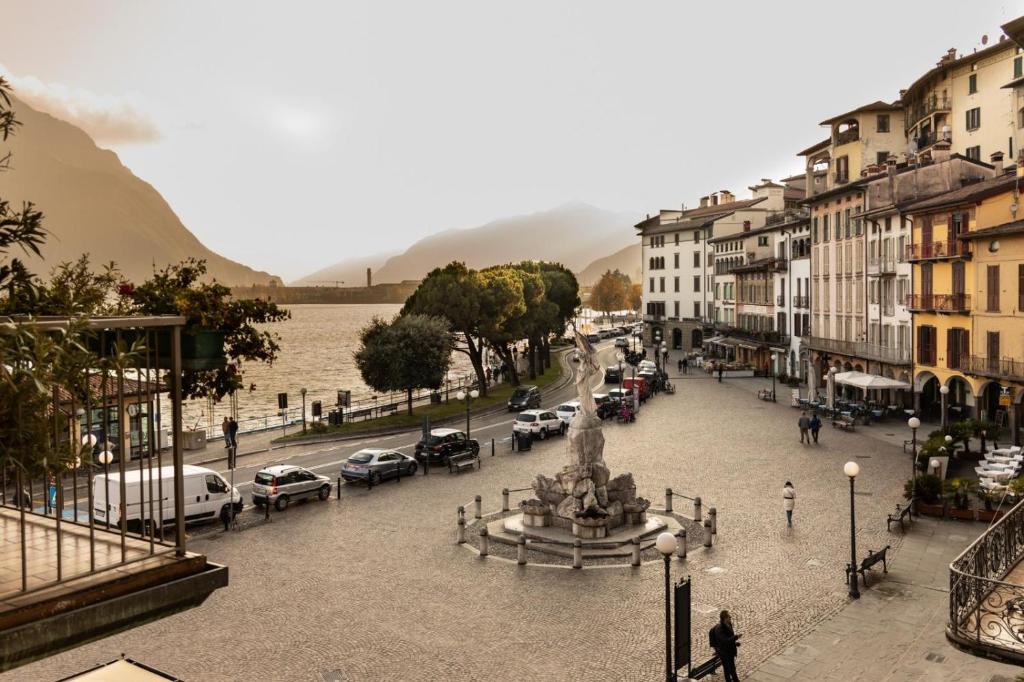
<point x="837" y="191"/>
<point x="1014" y="29"/>
<point x="967" y="194"/>
<point x="1015" y="82"/>
<point x="994" y="47"/>
<point x="878" y="105"/>
<point x="794" y="222"/>
<point x="278" y="468"/>
<point x="133" y="475"/>
<point x="816" y="147"/>
<point x="1013" y="227"/>
<point x="713" y="212"/>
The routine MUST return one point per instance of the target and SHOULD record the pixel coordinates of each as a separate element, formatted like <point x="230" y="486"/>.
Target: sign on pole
<point x="682" y="623"/>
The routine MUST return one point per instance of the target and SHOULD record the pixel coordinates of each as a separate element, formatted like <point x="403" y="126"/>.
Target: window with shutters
<point x="957" y="348"/>
<point x="696" y="259"/>
<point x="992" y="288"/>
<point x="926" y="345"/>
<point x="676" y="260"/>
<point x="1020" y="287"/>
<point x="676" y="286"/>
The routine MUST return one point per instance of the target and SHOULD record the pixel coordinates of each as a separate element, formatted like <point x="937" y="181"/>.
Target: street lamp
<point x="851" y="469"/>
<point x="666" y="545"/>
<point x="936" y="464"/>
<point x="620" y="357"/>
<point x="943" y="394"/>
<point x="303" y="392"/>
<point x="914" y="423"/>
<point x="468" y="397"/>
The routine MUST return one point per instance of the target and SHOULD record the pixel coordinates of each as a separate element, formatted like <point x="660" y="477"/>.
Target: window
<point x="974" y="153"/>
<point x="974" y="118"/>
<point x="677" y="260"/>
<point x="675" y="306"/>
<point x="1020" y="287"/>
<point x="957" y="347"/>
<point x="814" y="225"/>
<point x="215" y="485"/>
<point x="696" y="236"/>
<point x="882" y="123"/>
<point x="992" y="297"/>
<point x="846" y="223"/>
<point x="661" y="283"/>
<point x="676" y="284"/>
<point x="696" y="310"/>
<point x="696" y="259"/>
<point x="972" y="84"/>
<point x="881" y="157"/>
<point x="677" y="239"/>
<point x="926" y="345"/>
<point x="842" y="169"/>
<point x="762" y="240"/>
<point x="1018" y="68"/>
<point x="652" y="285"/>
<point x="824" y="227"/>
<point x="696" y="283"/>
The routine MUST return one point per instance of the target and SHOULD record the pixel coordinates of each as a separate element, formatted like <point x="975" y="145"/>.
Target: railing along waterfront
<point x="986" y="613"/>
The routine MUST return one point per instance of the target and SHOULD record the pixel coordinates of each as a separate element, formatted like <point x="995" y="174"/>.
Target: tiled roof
<point x="878" y="105"/>
<point x="707" y="213"/>
<point x="1014" y="227"/>
<point x="967" y="194"/>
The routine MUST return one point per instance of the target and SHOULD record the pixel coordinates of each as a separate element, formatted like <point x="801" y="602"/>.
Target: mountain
<point x="626" y="261"/>
<point x="93" y="204"/>
<point x="573" y="234"/>
<point x="349" y="273"/>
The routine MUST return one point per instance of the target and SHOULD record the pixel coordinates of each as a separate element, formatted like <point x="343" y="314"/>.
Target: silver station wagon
<point x="375" y="465"/>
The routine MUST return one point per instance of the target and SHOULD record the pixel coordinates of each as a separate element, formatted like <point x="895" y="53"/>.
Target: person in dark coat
<point x="233" y="430"/>
<point x="721" y="368"/>
<point x="726" y="641"/>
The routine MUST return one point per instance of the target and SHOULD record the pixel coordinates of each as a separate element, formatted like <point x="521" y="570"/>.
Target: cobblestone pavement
<point x="374" y="586"/>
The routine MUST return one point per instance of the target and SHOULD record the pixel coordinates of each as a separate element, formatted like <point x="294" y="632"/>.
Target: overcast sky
<point x="291" y="135"/>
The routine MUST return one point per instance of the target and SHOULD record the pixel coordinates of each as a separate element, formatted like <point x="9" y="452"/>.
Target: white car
<point x="648" y="365"/>
<point x="540" y="423"/>
<point x="566" y="411"/>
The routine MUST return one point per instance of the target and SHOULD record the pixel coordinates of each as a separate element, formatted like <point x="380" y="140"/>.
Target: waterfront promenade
<point x="315" y="592"/>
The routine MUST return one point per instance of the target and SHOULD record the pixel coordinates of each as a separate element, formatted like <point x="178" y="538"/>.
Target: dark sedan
<point x="375" y="465"/>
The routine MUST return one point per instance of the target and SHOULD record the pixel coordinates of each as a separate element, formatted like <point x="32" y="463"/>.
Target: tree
<point x="636" y="297"/>
<point x="561" y="289"/>
<point x="505" y="308"/>
<point x="611" y="292"/>
<point x="410" y="352"/>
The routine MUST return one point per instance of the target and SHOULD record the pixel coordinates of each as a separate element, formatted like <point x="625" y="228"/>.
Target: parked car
<point x="643" y="387"/>
<point x="622" y="342"/>
<point x="207" y="496"/>
<point x="523" y="398"/>
<point x="566" y="411"/>
<point x="593" y="338"/>
<point x="600" y="398"/>
<point x="442" y="444"/>
<point x="612" y="374"/>
<point x="540" y="423"/>
<point x="617" y="395"/>
<point x="375" y="465"/>
<point x="280" y="484"/>
<point x="647" y="366"/>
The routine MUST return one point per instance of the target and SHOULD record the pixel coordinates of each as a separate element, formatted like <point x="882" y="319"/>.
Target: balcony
<point x="925" y="109"/>
<point x="847" y="136"/>
<point x="939" y="250"/>
<point x="780" y="301"/>
<point x="840" y="178"/>
<point x="882" y="265"/>
<point x="860" y="349"/>
<point x="760" y="338"/>
<point x="654" y="318"/>
<point x="939" y="303"/>
<point x="997" y="368"/>
<point x="801" y="301"/>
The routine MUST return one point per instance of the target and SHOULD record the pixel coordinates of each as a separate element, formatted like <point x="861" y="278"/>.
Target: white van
<point x="206" y="494"/>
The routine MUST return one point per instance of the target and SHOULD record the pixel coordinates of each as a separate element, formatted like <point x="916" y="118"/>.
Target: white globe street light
<point x="106" y="457"/>
<point x="461" y="395"/>
<point x="89" y="440"/>
<point x="474" y="393"/>
<point x="913" y="423"/>
<point x="666" y="545"/>
<point x="943" y="394"/>
<point x="851" y="469"/>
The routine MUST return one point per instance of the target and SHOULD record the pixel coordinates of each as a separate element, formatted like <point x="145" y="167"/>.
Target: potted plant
<point x="989" y="498"/>
<point x="925" y="493"/>
<point x="958" y="491"/>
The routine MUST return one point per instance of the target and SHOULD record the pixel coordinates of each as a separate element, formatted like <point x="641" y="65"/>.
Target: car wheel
<point x="325" y="492"/>
<point x="412" y="468"/>
<point x="561" y="429"/>
<point x="544" y="433"/>
<point x="282" y="503"/>
<point x="375" y="478"/>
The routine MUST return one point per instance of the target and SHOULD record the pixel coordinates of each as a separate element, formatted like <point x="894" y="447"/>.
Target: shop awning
<point x="869" y="381"/>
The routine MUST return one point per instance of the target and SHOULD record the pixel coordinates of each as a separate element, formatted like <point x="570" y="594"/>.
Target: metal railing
<point x="942" y="303"/>
<point x="802" y="301"/>
<point x="882" y="265"/>
<point x="926" y="108"/>
<point x="994" y="367"/>
<point x="986" y="613"/>
<point x="860" y="349"/>
<point x="945" y="249"/>
<point x="847" y="136"/>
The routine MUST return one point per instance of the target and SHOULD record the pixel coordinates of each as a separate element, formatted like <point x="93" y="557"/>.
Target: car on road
<point x="566" y="411"/>
<point x="540" y="423"/>
<point x="523" y="398"/>
<point x="622" y="342"/>
<point x="617" y="395"/>
<point x="612" y="374"/>
<point x="280" y="484"/>
<point x="600" y="398"/>
<point x="376" y="464"/>
<point x="593" y="338"/>
<point x="647" y="366"/>
<point x="442" y="444"/>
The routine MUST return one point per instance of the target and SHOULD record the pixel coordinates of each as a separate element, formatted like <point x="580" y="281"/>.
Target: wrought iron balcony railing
<point x="939" y="303"/>
<point x="994" y="367"/>
<point x="860" y="349"/>
<point x="946" y="249"/>
<point x="802" y="301"/>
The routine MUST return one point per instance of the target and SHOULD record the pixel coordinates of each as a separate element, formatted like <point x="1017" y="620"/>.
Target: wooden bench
<point x="899" y="516"/>
<point x="845" y="423"/>
<point x="868" y="562"/>
<point x="709" y="667"/>
<point x="467" y="460"/>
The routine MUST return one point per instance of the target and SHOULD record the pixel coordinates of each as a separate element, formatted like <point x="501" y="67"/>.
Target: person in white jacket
<point x="788" y="501"/>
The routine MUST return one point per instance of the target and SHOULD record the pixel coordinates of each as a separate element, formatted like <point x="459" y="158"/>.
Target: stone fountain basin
<point x="558" y="541"/>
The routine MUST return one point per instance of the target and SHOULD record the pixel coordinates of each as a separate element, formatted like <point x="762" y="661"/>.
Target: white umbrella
<point x="869" y="381"/>
<point x="830" y="389"/>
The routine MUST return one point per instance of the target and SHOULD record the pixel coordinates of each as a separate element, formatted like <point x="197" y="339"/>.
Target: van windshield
<point x="263" y="478"/>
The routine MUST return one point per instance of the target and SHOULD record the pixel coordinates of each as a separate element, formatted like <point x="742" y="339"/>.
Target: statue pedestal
<point x="590" y="530"/>
<point x="537" y="520"/>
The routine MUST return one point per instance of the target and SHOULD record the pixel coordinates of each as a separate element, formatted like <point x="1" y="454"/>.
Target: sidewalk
<point x="896" y="630"/>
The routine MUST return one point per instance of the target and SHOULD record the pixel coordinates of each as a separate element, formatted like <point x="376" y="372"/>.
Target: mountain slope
<point x="626" y="261"/>
<point x="93" y="204"/>
<point x="351" y="273"/>
<point x="574" y="234"/>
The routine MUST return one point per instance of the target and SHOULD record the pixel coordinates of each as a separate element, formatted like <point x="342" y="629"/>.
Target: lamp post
<point x="914" y="423"/>
<point x="944" y="395"/>
<point x="936" y="464"/>
<point x="468" y="397"/>
<point x="303" y="392"/>
<point x="666" y="545"/>
<point x="949" y="443"/>
<point x="851" y="469"/>
<point x="620" y="357"/>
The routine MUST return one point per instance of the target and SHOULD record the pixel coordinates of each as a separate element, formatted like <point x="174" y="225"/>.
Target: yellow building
<point x="967" y="252"/>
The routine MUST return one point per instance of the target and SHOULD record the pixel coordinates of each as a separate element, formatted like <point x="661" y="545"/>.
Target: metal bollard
<point x="426" y="465"/>
<point x="461" y="537"/>
<point x="484" y="541"/>
<point x="476" y="507"/>
<point x="492" y="447"/>
<point x="339" y="488"/>
<point x="521" y="551"/>
<point x="707" y="532"/>
<point x="681" y="543"/>
<point x="504" y="499"/>
<point x="577" y="553"/>
<point x="668" y="499"/>
<point x="636" y="551"/>
<point x="696" y="510"/>
<point x="713" y="515"/>
<point x="266" y="510"/>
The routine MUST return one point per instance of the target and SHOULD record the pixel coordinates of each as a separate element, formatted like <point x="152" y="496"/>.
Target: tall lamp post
<point x="303" y="392"/>
<point x="914" y="423"/>
<point x="468" y="397"/>
<point x="620" y="357"/>
<point x="851" y="469"/>
<point x="666" y="545"/>
<point x="943" y="394"/>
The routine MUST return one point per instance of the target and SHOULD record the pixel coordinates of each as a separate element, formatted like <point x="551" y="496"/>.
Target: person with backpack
<point x="725" y="641"/>
<point x="788" y="502"/>
<point x="815" y="426"/>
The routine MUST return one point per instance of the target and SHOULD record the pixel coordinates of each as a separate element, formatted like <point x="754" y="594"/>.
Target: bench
<point x="845" y="423"/>
<point x="467" y="460"/>
<point x="868" y="562"/>
<point x="899" y="516"/>
<point x="709" y="667"/>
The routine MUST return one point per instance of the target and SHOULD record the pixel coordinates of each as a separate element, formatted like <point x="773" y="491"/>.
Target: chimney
<point x="726" y="196"/>
<point x="746" y="226"/>
<point x="703" y="202"/>
<point x="714" y="200"/>
<point x="997" y="162"/>
<point x="940" y="151"/>
<point x="369" y="278"/>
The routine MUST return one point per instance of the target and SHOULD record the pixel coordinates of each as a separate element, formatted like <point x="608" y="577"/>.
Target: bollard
<point x="707" y="532"/>
<point x="668" y="499"/>
<point x="484" y="541"/>
<point x="681" y="543"/>
<point x="476" y="507"/>
<point x="339" y="488"/>
<point x="577" y="553"/>
<point x="461" y="537"/>
<point x="492" y="447"/>
<point x="636" y="551"/>
<point x="398" y="472"/>
<point x="713" y="515"/>
<point x="696" y="510"/>
<point x="266" y="510"/>
<point x="426" y="465"/>
<point x="504" y="499"/>
<point x="513" y="442"/>
<point x="521" y="551"/>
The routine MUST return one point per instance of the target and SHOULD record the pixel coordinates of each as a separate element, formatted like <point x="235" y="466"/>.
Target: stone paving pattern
<point x="374" y="586"/>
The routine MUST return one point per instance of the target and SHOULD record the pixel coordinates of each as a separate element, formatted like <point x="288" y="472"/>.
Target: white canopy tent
<point x="869" y="382"/>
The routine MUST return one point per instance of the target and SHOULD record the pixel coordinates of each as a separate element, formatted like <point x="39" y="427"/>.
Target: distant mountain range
<point x="625" y="260"/>
<point x="93" y="204"/>
<point x="575" y="234"/>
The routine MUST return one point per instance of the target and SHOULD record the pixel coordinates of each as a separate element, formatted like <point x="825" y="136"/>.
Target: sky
<point x="290" y="136"/>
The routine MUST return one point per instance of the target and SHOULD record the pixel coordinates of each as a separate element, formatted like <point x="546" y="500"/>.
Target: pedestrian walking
<point x="233" y="430"/>
<point x="487" y="373"/>
<point x="725" y="641"/>
<point x="720" y="369"/>
<point x="815" y="427"/>
<point x="225" y="428"/>
<point x="686" y="366"/>
<point x="680" y="366"/>
<point x="788" y="502"/>
<point x="805" y="425"/>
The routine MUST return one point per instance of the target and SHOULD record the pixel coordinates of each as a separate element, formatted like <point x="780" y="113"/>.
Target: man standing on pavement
<point x="815" y="426"/>
<point x="788" y="502"/>
<point x="724" y="641"/>
<point x="719" y="372"/>
<point x="805" y="424"/>
<point x="225" y="428"/>
<point x="233" y="430"/>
